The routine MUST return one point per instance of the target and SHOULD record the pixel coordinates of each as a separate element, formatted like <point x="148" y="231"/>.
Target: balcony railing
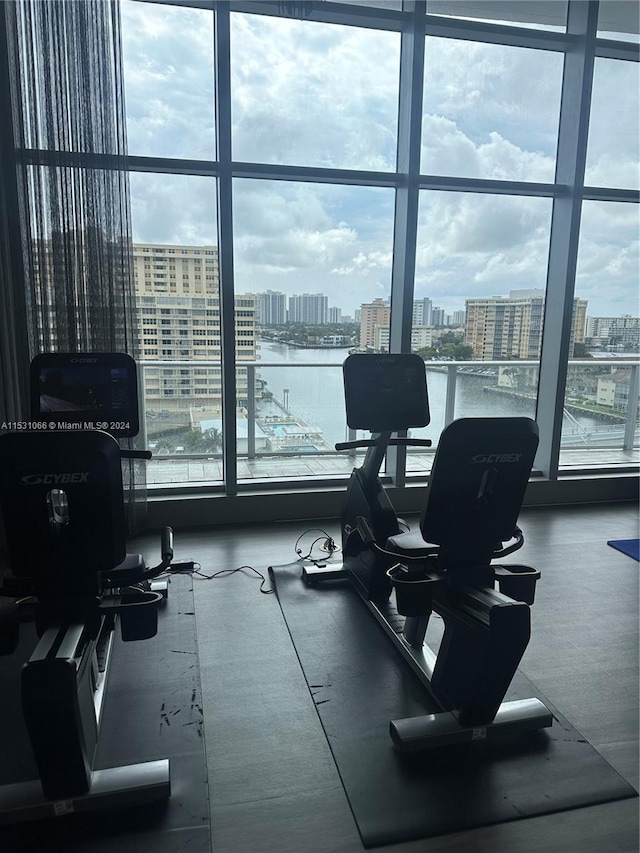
<point x="290" y="415"/>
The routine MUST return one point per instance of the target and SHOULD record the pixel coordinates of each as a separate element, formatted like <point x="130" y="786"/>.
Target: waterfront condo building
<point x="616" y="333"/>
<point x="421" y="337"/>
<point x="511" y="327"/>
<point x="271" y="308"/>
<point x="372" y="314"/>
<point x="178" y="301"/>
<point x="310" y="308"/>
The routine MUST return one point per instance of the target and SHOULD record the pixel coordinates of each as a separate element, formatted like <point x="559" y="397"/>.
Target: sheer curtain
<point x="72" y="274"/>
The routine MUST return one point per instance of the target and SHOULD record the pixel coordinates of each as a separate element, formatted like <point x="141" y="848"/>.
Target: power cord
<point x="194" y="569"/>
<point x="223" y="572"/>
<point x="328" y="545"/>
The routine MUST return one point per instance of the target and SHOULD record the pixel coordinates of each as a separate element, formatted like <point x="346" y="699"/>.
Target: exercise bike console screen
<point x="385" y="392"/>
<point x="85" y="391"/>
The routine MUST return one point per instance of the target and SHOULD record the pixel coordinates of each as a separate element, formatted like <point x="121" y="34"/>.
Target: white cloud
<point x="312" y="237"/>
<point x="177" y="209"/>
<point x="168" y="65"/>
<point x="297" y="249"/>
<point x="611" y="170"/>
<point x="480" y="245"/>
<point x="364" y="262"/>
<point x="609" y="258"/>
<point x="305" y="93"/>
<point x="446" y="150"/>
<point x="313" y="94"/>
<point x="614" y="126"/>
<point x="502" y="160"/>
<point x="487" y="90"/>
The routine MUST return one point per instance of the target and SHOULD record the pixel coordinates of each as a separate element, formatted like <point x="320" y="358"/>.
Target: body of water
<point x="316" y="394"/>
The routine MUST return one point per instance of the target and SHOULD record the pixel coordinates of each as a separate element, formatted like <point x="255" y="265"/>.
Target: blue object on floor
<point x="630" y="547"/>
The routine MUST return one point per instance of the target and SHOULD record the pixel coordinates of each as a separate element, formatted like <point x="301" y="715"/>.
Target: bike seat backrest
<point x="477" y="485"/>
<point x="61" y="501"/>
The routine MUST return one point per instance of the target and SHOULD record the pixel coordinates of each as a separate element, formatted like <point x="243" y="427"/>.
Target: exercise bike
<point x="475" y="492"/>
<point x="62" y="512"/>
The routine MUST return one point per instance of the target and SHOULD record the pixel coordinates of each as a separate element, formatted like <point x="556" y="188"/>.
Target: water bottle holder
<point x="413" y="589"/>
<point x="518" y="582"/>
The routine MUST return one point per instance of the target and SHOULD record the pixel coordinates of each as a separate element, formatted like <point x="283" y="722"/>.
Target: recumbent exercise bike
<point x="62" y="510"/>
<point x="474" y="496"/>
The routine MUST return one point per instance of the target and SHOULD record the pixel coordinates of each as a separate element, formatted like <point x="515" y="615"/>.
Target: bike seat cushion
<point x="411" y="544"/>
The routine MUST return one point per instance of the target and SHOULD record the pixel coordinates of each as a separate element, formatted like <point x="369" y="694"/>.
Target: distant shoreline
<point x="574" y="408"/>
<point x="299" y="345"/>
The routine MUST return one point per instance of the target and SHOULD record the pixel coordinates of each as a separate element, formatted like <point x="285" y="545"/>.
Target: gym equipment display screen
<point x="385" y="391"/>
<point x="85" y="391"/>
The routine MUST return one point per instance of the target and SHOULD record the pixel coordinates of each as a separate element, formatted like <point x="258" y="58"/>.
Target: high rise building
<point x="381" y="335"/>
<point x="579" y="323"/>
<point x="335" y="316"/>
<point x="310" y="308"/>
<point x="178" y="300"/>
<point x="437" y="317"/>
<point x="613" y="332"/>
<point x="271" y="308"/>
<point x="511" y="327"/>
<point x="421" y="337"/>
<point x="504" y="327"/>
<point x="422" y="309"/>
<point x="372" y="314"/>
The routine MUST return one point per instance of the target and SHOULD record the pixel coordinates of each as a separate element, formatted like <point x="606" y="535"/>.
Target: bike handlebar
<point x="136" y="454"/>
<point x="373" y="442"/>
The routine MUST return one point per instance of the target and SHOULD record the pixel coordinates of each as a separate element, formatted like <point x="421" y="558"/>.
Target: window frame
<point x="580" y="47"/>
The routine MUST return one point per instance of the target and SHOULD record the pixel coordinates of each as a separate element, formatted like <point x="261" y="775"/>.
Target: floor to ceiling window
<point x="323" y="249"/>
<point x="483" y="259"/>
<point x="324" y="139"/>
<point x="168" y="61"/>
<point x="308" y="169"/>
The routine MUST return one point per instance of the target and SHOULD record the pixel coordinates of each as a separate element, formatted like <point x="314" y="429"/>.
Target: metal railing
<point x="611" y="427"/>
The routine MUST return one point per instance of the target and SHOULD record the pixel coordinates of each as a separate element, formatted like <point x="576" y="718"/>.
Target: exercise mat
<point x="630" y="547"/>
<point x="152" y="710"/>
<point x="359" y="682"/>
